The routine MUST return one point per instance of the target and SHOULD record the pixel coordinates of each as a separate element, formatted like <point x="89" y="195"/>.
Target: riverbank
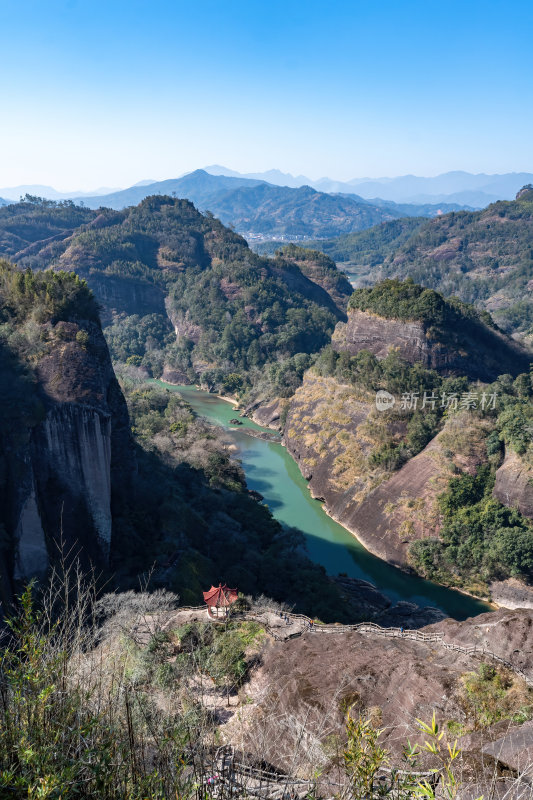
<point x="267" y="436"/>
<point x="274" y="474"/>
<point x="227" y="399"/>
<point x="368" y="545"/>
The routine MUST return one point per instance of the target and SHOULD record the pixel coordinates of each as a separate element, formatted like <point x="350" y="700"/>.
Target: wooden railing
<point x="261" y="783"/>
<point x="245" y="780"/>
<point x="310" y="626"/>
<point x="395" y="633"/>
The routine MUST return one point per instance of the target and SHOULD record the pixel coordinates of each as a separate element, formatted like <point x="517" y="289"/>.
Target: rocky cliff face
<point x="514" y="484"/>
<point x="63" y="474"/>
<point x="331" y="431"/>
<point x="482" y="358"/>
<point x="122" y="295"/>
<point x="365" y="331"/>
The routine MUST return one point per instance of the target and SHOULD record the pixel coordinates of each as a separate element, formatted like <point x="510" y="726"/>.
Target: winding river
<point x="271" y="471"/>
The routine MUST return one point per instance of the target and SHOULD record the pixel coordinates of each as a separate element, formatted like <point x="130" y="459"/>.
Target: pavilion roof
<point x="220" y="596"/>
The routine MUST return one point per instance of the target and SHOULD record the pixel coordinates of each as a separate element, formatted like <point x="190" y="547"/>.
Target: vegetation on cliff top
<point x="457" y="338"/>
<point x="408" y="301"/>
<point x="30" y="305"/>
<point x="44" y="296"/>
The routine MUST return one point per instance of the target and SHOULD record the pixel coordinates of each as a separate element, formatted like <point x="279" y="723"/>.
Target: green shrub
<point x="82" y="338"/>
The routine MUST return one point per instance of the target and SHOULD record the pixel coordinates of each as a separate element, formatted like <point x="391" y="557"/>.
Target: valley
<point x="383" y="555"/>
<point x="266" y="400"/>
<point x="183" y="298"/>
<point x="271" y="471"/>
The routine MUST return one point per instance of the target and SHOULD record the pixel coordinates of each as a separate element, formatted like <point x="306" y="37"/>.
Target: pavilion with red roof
<point x="219" y="598"/>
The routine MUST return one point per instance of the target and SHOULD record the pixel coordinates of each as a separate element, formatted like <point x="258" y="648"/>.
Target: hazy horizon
<point x="106" y="189"/>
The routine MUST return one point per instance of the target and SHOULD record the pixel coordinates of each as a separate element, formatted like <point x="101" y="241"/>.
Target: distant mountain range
<point x="14" y="193"/>
<point x="457" y="187"/>
<point x="276" y="206"/>
<point x="463" y="188"/>
<point x="262" y="210"/>
<point x="259" y="209"/>
<point x="199" y="187"/>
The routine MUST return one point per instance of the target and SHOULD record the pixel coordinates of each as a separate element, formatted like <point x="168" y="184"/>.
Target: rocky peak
<point x="525" y="193"/>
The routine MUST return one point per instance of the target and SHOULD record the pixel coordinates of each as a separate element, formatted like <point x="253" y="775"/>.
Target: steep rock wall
<point x="71" y="449"/>
<point x="31" y="555"/>
<point x="481" y="357"/>
<point x="365" y="331"/>
<point x="514" y="484"/>
<point x="125" y="295"/>
<point x="66" y="472"/>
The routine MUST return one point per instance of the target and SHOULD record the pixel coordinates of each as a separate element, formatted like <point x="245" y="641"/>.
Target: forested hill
<point x="31" y="232"/>
<point x="279" y="211"/>
<point x="371" y="247"/>
<point x="322" y="270"/>
<point x="453" y="337"/>
<point x="483" y="257"/>
<point x="182" y="293"/>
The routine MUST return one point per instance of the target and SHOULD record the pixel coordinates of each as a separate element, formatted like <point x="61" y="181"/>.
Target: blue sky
<point x="109" y="93"/>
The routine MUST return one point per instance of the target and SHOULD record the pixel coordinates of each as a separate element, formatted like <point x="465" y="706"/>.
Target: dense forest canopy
<point x="44" y="296"/>
<point x="406" y="300"/>
<point x="370" y="248"/>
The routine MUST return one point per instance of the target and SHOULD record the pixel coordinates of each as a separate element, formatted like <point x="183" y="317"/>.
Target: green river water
<point x="272" y="472"/>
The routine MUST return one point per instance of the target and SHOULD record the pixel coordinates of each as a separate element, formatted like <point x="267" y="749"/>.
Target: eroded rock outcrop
<point x="511" y="594"/>
<point x="304" y="686"/>
<point x="478" y="353"/>
<point x="269" y="414"/>
<point x="506" y="633"/>
<point x="514" y="484"/>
